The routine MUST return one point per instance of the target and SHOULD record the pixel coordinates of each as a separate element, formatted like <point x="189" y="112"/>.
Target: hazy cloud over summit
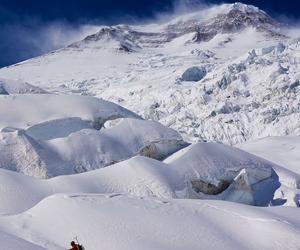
<point x="30" y="28"/>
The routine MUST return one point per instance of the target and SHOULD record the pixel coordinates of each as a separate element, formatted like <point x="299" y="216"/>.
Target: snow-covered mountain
<point x="227" y="73"/>
<point x="120" y="139"/>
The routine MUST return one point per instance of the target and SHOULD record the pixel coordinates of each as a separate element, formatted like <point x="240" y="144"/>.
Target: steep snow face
<point x="114" y="38"/>
<point x="125" y="222"/>
<point x="250" y="87"/>
<point x="20" y="152"/>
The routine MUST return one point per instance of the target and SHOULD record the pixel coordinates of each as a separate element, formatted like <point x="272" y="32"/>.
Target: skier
<point x="75" y="246"/>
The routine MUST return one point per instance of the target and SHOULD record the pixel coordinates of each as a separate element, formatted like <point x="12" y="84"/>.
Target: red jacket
<point x="75" y="247"/>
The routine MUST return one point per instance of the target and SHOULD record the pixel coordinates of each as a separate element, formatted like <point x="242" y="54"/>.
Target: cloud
<point x="32" y="38"/>
<point x="59" y="34"/>
<point x="204" y="9"/>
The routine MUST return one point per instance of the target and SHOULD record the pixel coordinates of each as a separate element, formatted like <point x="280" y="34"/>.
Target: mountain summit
<point x="203" y="25"/>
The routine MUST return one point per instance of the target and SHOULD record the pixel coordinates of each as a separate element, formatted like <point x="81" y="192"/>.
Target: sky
<point x="30" y="28"/>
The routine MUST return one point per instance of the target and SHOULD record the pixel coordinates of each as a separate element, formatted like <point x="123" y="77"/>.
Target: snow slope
<point x="125" y="222"/>
<point x="11" y="242"/>
<point x="282" y="150"/>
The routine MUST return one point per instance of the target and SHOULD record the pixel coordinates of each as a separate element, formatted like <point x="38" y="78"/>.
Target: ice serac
<point x="29" y="121"/>
<point x="193" y="74"/>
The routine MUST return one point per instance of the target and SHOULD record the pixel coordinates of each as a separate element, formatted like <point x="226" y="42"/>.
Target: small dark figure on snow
<point x="75" y="246"/>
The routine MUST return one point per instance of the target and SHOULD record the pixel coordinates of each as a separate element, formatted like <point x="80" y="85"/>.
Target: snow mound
<point x="212" y="162"/>
<point x="142" y="223"/>
<point x="147" y="138"/>
<point x="220" y="172"/>
<point x="23" y="111"/>
<point x="66" y="146"/>
<point x="251" y="181"/>
<point x="8" y="87"/>
<point x="138" y="176"/>
<point x="90" y="149"/>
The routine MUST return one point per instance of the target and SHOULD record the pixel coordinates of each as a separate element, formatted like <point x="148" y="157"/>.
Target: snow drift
<point x="124" y="222"/>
